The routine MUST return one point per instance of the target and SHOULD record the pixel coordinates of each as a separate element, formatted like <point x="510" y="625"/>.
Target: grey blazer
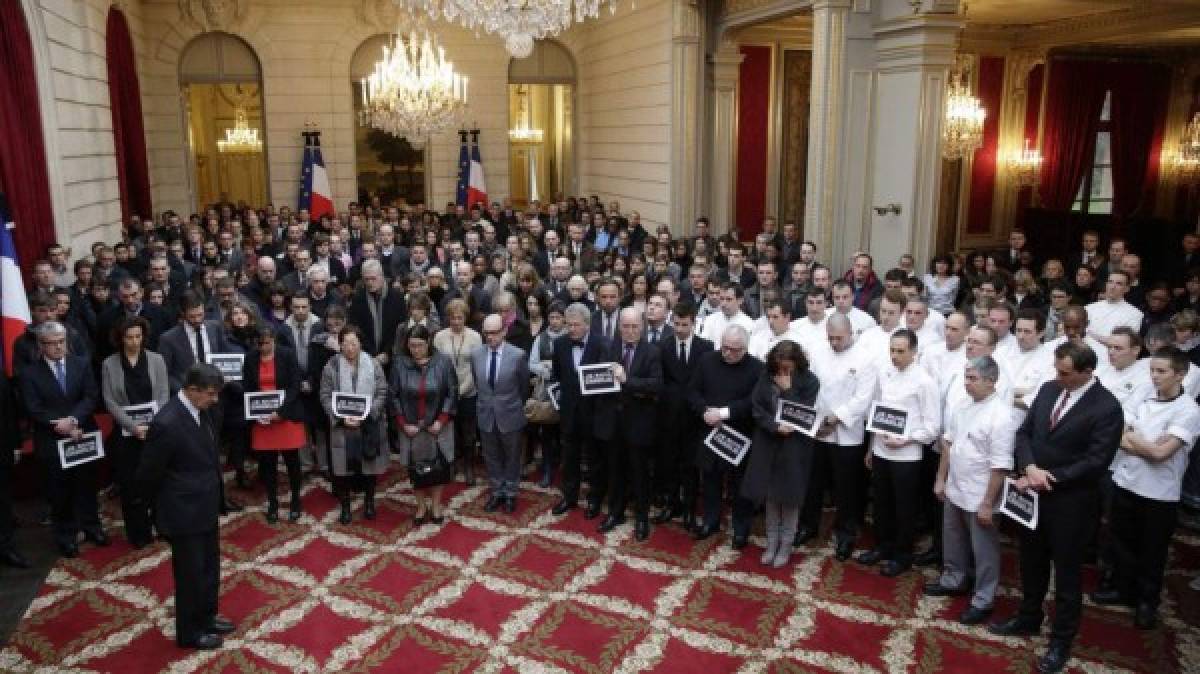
<point x="112" y="385"/>
<point x="502" y="408"/>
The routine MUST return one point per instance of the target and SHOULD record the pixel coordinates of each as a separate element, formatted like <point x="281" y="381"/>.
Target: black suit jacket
<point x="1080" y="447"/>
<point x="108" y="321"/>
<point x="578" y="412"/>
<point x="519" y="335"/>
<point x="181" y="469"/>
<point x="598" y="323"/>
<point x="288" y="378"/>
<point x="635" y="404"/>
<point x="676" y="380"/>
<point x="45" y="401"/>
<point x="176" y="348"/>
<point x="665" y="334"/>
<point x="395" y="312"/>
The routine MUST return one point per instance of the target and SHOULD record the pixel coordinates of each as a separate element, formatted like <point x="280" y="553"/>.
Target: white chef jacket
<point x="914" y="390"/>
<point x="1161" y="481"/>
<point x="847" y="388"/>
<point x="980" y="436"/>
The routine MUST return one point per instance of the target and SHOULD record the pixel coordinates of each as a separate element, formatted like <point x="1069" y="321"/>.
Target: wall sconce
<point x="890" y="208"/>
<point x="1026" y="165"/>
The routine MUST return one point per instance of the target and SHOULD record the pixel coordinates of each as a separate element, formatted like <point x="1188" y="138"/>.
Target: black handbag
<point x="429" y="472"/>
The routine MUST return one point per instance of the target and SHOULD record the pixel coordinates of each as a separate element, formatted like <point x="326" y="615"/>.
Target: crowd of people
<point x="478" y="334"/>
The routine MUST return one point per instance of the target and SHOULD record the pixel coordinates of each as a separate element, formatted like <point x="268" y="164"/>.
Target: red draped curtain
<point x="1072" y="119"/>
<point x="1139" y="113"/>
<point x="129" y="138"/>
<point x="23" y="175"/>
<point x="983" y="168"/>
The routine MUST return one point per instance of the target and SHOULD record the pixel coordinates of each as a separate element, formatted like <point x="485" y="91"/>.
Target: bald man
<point x="502" y="380"/>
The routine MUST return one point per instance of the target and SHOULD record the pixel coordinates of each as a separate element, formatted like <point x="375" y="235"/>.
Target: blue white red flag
<point x="464" y="170"/>
<point x="315" y="194"/>
<point x="476" y="185"/>
<point x="14" y="305"/>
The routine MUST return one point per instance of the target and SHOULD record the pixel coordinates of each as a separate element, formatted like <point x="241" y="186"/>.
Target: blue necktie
<point x="61" y="375"/>
<point x="492" y="371"/>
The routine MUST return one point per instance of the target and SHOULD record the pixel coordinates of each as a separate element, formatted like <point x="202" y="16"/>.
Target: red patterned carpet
<point x="531" y="592"/>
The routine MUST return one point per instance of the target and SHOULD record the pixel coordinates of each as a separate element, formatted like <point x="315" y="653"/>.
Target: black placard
<point x="261" y="404"/>
<point x="887" y="419"/>
<point x="1019" y="506"/>
<point x="230" y="364"/>
<point x="141" y="414"/>
<point x="351" y="405"/>
<point x="801" y="417"/>
<point x="89" y="447"/>
<point x="728" y="443"/>
<point x="598" y="378"/>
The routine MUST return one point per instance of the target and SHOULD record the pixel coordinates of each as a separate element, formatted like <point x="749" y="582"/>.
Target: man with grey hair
<point x="377" y="311"/>
<point x="320" y="295"/>
<point x="720" y="394"/>
<point x="60" y="394"/>
<point x="976" y="454"/>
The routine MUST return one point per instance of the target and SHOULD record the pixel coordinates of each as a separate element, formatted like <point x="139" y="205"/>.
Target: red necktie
<point x="1058" y="409"/>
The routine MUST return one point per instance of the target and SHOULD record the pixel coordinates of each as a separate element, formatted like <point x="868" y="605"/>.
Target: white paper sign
<point x="141" y="414"/>
<point x="598" y="378"/>
<point x="727" y="443"/>
<point x="1020" y="506"/>
<point x="262" y="404"/>
<point x="351" y="405"/>
<point x="86" y="449"/>
<point x="554" y="392"/>
<point x="230" y="364"/>
<point x="887" y="419"/>
<point x="802" y="418"/>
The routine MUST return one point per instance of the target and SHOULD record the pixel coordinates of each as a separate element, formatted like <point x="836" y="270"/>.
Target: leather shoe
<point x="273" y="513"/>
<point x="345" y="516"/>
<point x="1015" y="626"/>
<point x="222" y="625"/>
<point x="1110" y="597"/>
<point x="688" y="520"/>
<point x="1145" y="617"/>
<point x="510" y="504"/>
<point x="665" y="515"/>
<point x="894" y="567"/>
<point x="739" y="541"/>
<point x="936" y="589"/>
<point x="10" y="557"/>
<point x="702" y="532"/>
<point x="869" y="557"/>
<point x="204" y="642"/>
<point x="563" y="506"/>
<point x="493" y="503"/>
<point x="641" y="530"/>
<point x="70" y="550"/>
<point x="930" y="557"/>
<point x="611" y="522"/>
<point x="231" y="506"/>
<point x="369" y="509"/>
<point x="592" y="511"/>
<point x="803" y="535"/>
<point x="1055" y="659"/>
<point x="843" y="550"/>
<point x="98" y="537"/>
<point x="974" y="616"/>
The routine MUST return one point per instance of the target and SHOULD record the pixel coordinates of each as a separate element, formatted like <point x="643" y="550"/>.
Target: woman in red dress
<point x="274" y="368"/>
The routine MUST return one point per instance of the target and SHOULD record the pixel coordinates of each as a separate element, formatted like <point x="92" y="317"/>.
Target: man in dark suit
<point x="579" y="421"/>
<point x="130" y="302"/>
<point x="60" y="394"/>
<point x="191" y="341"/>
<point x="1063" y="448"/>
<point x="639" y="371"/>
<point x="376" y="309"/>
<point x="608" y="309"/>
<point x="181" y="469"/>
<point x="658" y="330"/>
<point x="8" y="444"/>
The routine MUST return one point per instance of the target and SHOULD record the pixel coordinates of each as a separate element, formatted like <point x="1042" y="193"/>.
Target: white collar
<point x="189" y="406"/>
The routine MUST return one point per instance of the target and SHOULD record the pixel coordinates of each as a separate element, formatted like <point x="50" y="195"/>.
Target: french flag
<point x="476" y="185"/>
<point x="464" y="171"/>
<point x="14" y="305"/>
<point x="315" y="194"/>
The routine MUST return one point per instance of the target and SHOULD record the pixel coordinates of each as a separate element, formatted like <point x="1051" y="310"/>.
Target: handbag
<point x="539" y="409"/>
<point x="431" y="469"/>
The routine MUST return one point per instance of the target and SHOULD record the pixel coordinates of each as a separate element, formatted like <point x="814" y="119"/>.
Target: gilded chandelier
<point x="518" y="22"/>
<point x="962" y="128"/>
<point x="414" y="91"/>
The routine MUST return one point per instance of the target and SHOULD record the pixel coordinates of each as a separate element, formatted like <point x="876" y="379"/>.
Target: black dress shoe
<point x="702" y="532"/>
<point x="930" y="557"/>
<point x="611" y="522"/>
<point x="510" y="504"/>
<point x="1015" y="626"/>
<point x="420" y="520"/>
<point x="869" y="557"/>
<point x="803" y="535"/>
<point x="369" y="509"/>
<point x="936" y="589"/>
<point x="222" y="625"/>
<point x="974" y="616"/>
<point x="894" y="567"/>
<point x="273" y="513"/>
<point x="641" y="530"/>
<point x="493" y="503"/>
<point x="563" y="506"/>
<point x="1110" y="597"/>
<point x="295" y="512"/>
<point x="1145" y="617"/>
<point x="231" y="506"/>
<point x="345" y="517"/>
<point x="1055" y="659"/>
<point x="204" y="642"/>
<point x="739" y="541"/>
<point x="436" y="519"/>
<point x="98" y="537"/>
<point x="70" y="550"/>
<point x="10" y="557"/>
<point x="688" y="520"/>
<point x="592" y="511"/>
<point x="663" y="516"/>
<point x="843" y="550"/>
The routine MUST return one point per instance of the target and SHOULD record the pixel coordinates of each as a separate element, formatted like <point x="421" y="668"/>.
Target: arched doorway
<point x="541" y="113"/>
<point x="221" y="81"/>
<point x="385" y="166"/>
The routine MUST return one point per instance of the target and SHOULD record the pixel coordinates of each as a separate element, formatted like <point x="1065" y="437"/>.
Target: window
<point x="1095" y="195"/>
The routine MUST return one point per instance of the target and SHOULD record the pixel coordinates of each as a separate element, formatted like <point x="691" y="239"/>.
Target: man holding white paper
<point x="977" y="452"/>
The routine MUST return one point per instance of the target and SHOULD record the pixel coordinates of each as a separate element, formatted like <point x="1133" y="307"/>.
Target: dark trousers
<point x="546" y="437"/>
<point x="7" y="525"/>
<point x="268" y="470"/>
<point x="196" y="564"/>
<point x="894" y="487"/>
<point x="344" y="485"/>
<point x="674" y="476"/>
<point x="1141" y="534"/>
<point x="715" y="479"/>
<point x="72" y="495"/>
<point x="1064" y="526"/>
<point x="576" y="447"/>
<point x="466" y="429"/>
<point x="929" y="508"/>
<point x="628" y="466"/>
<point x="840" y="470"/>
<point x="135" y="506"/>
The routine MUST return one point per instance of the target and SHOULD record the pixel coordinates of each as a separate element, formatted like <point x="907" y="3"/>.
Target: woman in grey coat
<point x="425" y="397"/>
<point x="358" y="449"/>
<point x="132" y="376"/>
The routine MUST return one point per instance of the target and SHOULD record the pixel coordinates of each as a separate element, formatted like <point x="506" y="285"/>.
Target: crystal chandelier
<point x="241" y="139"/>
<point x="414" y="92"/>
<point x="1187" y="161"/>
<point x="518" y="22"/>
<point x="962" y="128"/>
<point x="522" y="133"/>
<point x="1026" y="165"/>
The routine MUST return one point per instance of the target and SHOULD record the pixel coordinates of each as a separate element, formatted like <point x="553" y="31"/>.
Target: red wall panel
<point x="990" y="90"/>
<point x="753" y="114"/>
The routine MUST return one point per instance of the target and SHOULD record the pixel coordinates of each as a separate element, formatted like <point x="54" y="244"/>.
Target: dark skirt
<point x="779" y="467"/>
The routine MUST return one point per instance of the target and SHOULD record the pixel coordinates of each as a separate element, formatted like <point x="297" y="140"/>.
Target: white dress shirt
<point x="1159" y="480"/>
<point x="847" y="389"/>
<point x="911" y="389"/>
<point x="808" y="331"/>
<point x="859" y="320"/>
<point x="190" y="407"/>
<point x="714" y="325"/>
<point x="980" y="437"/>
<point x="1131" y="386"/>
<point x="762" y="342"/>
<point x="192" y="332"/>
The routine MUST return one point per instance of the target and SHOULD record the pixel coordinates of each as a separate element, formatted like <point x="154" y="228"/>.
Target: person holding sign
<point x="357" y="450"/>
<point x="1148" y="478"/>
<point x="976" y="454"/>
<point x="781" y="457"/>
<point x="1063" y="448"/>
<point x="720" y="393"/>
<point x="181" y="468"/>
<point x="914" y="419"/>
<point x="424" y="393"/>
<point x="281" y="433"/>
<point x="135" y="385"/>
<point x="59" y="391"/>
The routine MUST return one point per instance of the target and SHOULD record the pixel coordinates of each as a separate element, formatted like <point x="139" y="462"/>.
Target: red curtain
<point x="753" y="113"/>
<point x="1073" y="109"/>
<point x="1139" y="112"/>
<point x="983" y="169"/>
<point x="125" y="98"/>
<point x="23" y="175"/>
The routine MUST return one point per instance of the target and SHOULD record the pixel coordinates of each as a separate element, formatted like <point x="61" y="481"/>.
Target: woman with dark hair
<point x="1083" y="290"/>
<point x="280" y="300"/>
<point x="241" y="331"/>
<point x="639" y="292"/>
<point x="132" y="376"/>
<point x="941" y="284"/>
<point x="358" y="451"/>
<point x="424" y="395"/>
<point x="680" y="255"/>
<point x="437" y="251"/>
<point x="274" y="368"/>
<point x="541" y="354"/>
<point x="972" y="274"/>
<point x="420" y="310"/>
<point x="781" y="457"/>
<point x="535" y="312"/>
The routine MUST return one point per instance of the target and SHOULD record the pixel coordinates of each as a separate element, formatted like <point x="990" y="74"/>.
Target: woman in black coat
<point x="780" y="457"/>
<point x="274" y="368"/>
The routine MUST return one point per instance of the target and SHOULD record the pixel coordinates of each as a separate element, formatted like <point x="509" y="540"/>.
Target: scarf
<point x="377" y="315"/>
<point x="361" y="376"/>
